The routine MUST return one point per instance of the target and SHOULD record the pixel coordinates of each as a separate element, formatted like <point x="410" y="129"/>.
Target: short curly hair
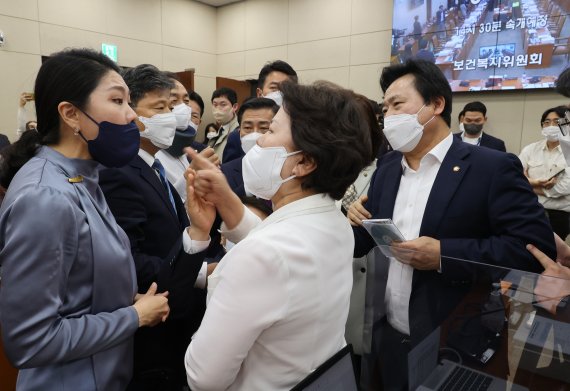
<point x="334" y="126"/>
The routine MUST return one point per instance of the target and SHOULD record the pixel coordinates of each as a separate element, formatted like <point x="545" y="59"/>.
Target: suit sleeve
<point x="502" y="146"/>
<point x="516" y="219"/>
<point x="38" y="253"/>
<point x="363" y="242"/>
<point x="177" y="272"/>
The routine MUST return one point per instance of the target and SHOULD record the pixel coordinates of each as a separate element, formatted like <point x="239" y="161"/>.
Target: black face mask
<point x="182" y="139"/>
<point x="473" y="128"/>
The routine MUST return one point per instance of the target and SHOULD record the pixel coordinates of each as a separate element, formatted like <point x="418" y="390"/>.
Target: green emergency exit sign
<point x="109" y="50"/>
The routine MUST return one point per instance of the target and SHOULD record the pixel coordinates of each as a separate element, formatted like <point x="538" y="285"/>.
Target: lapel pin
<point x="75" y="179"/>
<point x="456" y="169"/>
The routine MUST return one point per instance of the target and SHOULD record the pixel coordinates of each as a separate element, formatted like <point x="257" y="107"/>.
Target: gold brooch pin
<point x="75" y="179"/>
<point x="456" y="169"/>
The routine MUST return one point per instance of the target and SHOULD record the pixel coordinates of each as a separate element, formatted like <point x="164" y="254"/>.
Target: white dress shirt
<point x="409" y="208"/>
<point x="190" y="246"/>
<point x="542" y="163"/>
<point x="278" y="301"/>
<point x="471" y="140"/>
<point x="175" y="168"/>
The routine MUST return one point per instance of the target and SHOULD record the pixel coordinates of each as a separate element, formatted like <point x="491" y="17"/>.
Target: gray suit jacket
<point x="68" y="279"/>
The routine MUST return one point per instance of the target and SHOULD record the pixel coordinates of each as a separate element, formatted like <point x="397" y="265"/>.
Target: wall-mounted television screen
<point x="485" y="44"/>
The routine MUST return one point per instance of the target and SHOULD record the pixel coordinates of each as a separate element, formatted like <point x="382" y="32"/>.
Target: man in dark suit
<point x="146" y="207"/>
<point x="255" y="116"/>
<point x="450" y="200"/>
<point x="474" y="119"/>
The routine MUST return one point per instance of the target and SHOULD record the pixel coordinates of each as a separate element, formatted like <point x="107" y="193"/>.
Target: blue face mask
<point x="182" y="139"/>
<point x="116" y="145"/>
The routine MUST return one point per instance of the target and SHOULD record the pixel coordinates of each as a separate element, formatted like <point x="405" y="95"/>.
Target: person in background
<point x="270" y="76"/>
<point x="224" y="109"/>
<point x="460" y="117"/>
<point x="26" y="112"/>
<point x="210" y="131"/>
<point x="284" y="288"/>
<point x="197" y="105"/>
<point x="474" y="119"/>
<point x="188" y="117"/>
<point x="463" y="9"/>
<point x="440" y="22"/>
<point x="255" y="116"/>
<point x="68" y="277"/>
<point x="417" y="29"/>
<point x="546" y="169"/>
<point x="423" y="52"/>
<point x="155" y="220"/>
<point x="31" y="125"/>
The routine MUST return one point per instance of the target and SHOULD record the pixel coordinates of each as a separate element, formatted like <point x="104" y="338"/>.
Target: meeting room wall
<point x="348" y="42"/>
<point x="171" y="34"/>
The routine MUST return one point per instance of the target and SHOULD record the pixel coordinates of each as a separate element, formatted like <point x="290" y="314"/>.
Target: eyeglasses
<point x="564" y="124"/>
<point x="549" y="122"/>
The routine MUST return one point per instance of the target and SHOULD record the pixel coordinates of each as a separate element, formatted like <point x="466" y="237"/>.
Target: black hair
<point x="276" y="66"/>
<point x="429" y="81"/>
<point x="67" y="76"/>
<point x="559" y="110"/>
<point x="27" y="126"/>
<point x="256" y="104"/>
<point x="376" y="107"/>
<point x="145" y="78"/>
<point x="225" y="92"/>
<point x="476" y="106"/>
<point x="193" y="95"/>
<point x="257" y="204"/>
<point x="423" y="43"/>
<point x="563" y="83"/>
<point x="335" y="127"/>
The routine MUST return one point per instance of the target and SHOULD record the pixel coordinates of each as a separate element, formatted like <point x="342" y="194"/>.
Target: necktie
<point x="159" y="168"/>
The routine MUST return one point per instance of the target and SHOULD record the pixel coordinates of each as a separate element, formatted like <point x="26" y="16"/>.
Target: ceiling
<point x="218" y="3"/>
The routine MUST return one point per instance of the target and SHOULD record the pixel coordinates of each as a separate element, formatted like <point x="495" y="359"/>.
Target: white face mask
<point x="193" y="125"/>
<point x="159" y="129"/>
<point x="262" y="170"/>
<point x="211" y="135"/>
<point x="551" y="133"/>
<point x="275" y="96"/>
<point x="183" y="113"/>
<point x="249" y="140"/>
<point x="461" y="127"/>
<point x="403" y="131"/>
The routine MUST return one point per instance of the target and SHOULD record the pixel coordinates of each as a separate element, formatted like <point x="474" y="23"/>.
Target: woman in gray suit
<point x="68" y="309"/>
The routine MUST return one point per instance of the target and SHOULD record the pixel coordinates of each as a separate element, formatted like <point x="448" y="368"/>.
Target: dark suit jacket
<point x="233" y="147"/>
<point x="233" y="173"/>
<point x="480" y="208"/>
<point x="142" y="208"/>
<point x="488" y="141"/>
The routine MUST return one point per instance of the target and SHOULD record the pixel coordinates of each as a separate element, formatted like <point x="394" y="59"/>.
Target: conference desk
<point x="506" y="84"/>
<point x="496" y="328"/>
